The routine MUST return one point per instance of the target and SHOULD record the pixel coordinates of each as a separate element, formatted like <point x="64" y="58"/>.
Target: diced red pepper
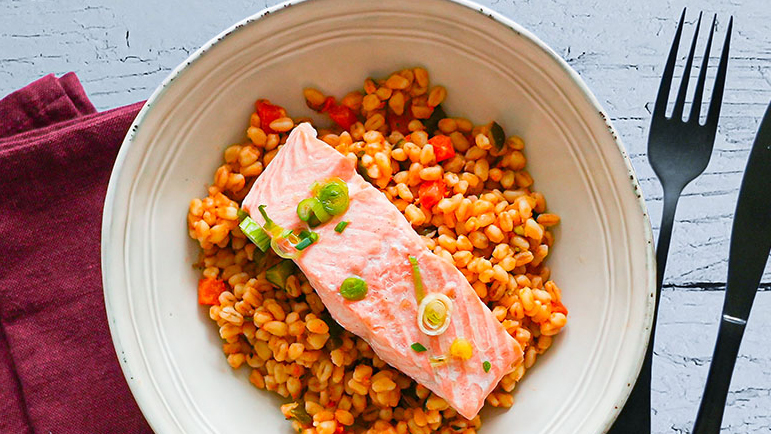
<point x="209" y="290"/>
<point x="559" y="307"/>
<point x="268" y="113"/>
<point x="443" y="149"/>
<point x="399" y="123"/>
<point x="431" y="192"/>
<point x="343" y="116"/>
<point x="328" y="103"/>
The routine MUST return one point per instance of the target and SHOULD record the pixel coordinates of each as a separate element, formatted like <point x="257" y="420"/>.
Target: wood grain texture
<point x="122" y="50"/>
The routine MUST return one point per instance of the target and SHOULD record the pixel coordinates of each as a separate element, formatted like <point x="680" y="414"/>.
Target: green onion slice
<point x="341" y="227"/>
<point x="271" y="227"/>
<point x="333" y="195"/>
<point x="353" y="288"/>
<point x="418" y="348"/>
<point x="315" y="187"/>
<point x="416" y="279"/>
<point x="486" y="366"/>
<point x="255" y="233"/>
<point x="306" y="239"/>
<point x="434" y="314"/>
<point x="290" y="235"/>
<point x="305" y="209"/>
<point x="437" y="360"/>
<point x="278" y="273"/>
<point x="320" y="212"/>
<point x="305" y="242"/>
<point x="242" y="215"/>
<point x="284" y="248"/>
<point x="313" y="221"/>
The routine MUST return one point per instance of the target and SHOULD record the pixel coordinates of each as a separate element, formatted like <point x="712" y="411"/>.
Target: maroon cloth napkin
<point x="58" y="369"/>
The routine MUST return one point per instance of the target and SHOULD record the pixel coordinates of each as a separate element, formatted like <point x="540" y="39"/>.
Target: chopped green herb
<point x="410" y="397"/>
<point x="498" y="135"/>
<point x="418" y="348"/>
<point x="427" y="231"/>
<point x="335" y="331"/>
<point x="486" y="366"/>
<point x="248" y="319"/>
<point x="416" y="279"/>
<point x="432" y="123"/>
<point x="341" y="226"/>
<point x="353" y="288"/>
<point x="242" y="215"/>
<point x="278" y="273"/>
<point x="299" y="413"/>
<point x="361" y="168"/>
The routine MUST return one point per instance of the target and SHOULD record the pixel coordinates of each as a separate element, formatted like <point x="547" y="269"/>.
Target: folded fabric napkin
<point x="58" y="369"/>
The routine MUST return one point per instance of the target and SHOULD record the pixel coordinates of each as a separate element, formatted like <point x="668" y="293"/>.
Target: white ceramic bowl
<point x="170" y="351"/>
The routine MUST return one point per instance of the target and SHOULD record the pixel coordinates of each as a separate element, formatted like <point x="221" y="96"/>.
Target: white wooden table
<point x="122" y="50"/>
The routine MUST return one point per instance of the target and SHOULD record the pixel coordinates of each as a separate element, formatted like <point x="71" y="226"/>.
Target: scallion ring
<point x="333" y="195"/>
<point x="434" y="314"/>
<point x="353" y="288"/>
<point x="277" y="243"/>
<point x="305" y="210"/>
<point x="319" y="212"/>
<point x="254" y="232"/>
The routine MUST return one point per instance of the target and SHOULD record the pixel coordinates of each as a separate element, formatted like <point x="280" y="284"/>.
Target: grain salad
<point x="463" y="187"/>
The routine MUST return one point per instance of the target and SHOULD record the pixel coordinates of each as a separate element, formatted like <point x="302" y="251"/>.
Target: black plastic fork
<point x="679" y="151"/>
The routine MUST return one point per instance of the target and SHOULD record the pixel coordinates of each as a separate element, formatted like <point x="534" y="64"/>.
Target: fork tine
<point x="677" y="113"/>
<point x="697" y="96"/>
<point x="660" y="108"/>
<point x="717" y="92"/>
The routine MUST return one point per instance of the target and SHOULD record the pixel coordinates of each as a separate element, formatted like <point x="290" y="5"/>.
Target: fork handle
<point x="671" y="196"/>
<point x="729" y="338"/>
<point x="635" y="416"/>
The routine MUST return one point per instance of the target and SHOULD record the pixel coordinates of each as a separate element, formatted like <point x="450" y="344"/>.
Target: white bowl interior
<point x="170" y="350"/>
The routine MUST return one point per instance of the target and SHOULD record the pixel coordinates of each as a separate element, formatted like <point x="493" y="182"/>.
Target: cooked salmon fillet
<point x="376" y="246"/>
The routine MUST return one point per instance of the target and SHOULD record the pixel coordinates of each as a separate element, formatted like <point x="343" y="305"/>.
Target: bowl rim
<point x="109" y="204"/>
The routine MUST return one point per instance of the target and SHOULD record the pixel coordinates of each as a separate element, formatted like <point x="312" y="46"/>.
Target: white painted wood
<point x="122" y="50"/>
